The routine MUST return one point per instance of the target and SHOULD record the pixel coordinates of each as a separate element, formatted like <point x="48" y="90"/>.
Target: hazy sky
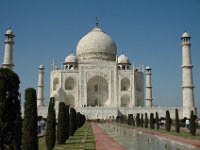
<point x="148" y="32"/>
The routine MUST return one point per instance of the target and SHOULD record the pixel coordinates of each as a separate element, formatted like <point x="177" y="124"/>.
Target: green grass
<point x="77" y="141"/>
<point x="183" y="134"/>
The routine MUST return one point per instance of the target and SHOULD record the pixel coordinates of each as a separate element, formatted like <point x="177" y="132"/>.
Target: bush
<point x="10" y="110"/>
<point x="168" y="121"/>
<point x="62" y="124"/>
<point x="142" y="121"/>
<point x="146" y="121"/>
<point x="177" y="126"/>
<point x="137" y="119"/>
<point x="192" y="123"/>
<point x="67" y="123"/>
<point x="152" y="121"/>
<point x="30" y="140"/>
<point x="157" y="121"/>
<point x="50" y="134"/>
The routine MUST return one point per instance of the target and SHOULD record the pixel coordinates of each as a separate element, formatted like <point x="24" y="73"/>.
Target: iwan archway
<point x="97" y="91"/>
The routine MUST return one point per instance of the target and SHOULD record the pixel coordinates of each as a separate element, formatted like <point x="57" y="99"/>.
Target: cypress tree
<point x="146" y="121"/>
<point x="137" y="119"/>
<point x="50" y="135"/>
<point x="10" y="110"/>
<point x="62" y="124"/>
<point x="152" y="126"/>
<point x="177" y="126"/>
<point x="192" y="123"/>
<point x="168" y="121"/>
<point x="72" y="122"/>
<point x="142" y="121"/>
<point x="78" y="119"/>
<point x="67" y="123"/>
<point x="30" y="140"/>
<point x="157" y="121"/>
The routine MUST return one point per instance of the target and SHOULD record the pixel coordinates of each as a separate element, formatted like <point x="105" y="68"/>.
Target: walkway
<point x="104" y="141"/>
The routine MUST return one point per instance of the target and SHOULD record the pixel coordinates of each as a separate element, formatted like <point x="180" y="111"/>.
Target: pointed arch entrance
<point x="97" y="91"/>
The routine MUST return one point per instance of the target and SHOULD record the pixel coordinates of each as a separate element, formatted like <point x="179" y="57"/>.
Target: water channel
<point x="137" y="140"/>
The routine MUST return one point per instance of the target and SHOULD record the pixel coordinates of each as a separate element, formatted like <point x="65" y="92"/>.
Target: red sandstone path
<point x="104" y="141"/>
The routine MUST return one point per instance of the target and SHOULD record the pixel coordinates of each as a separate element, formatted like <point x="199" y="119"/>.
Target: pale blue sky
<point x="147" y="31"/>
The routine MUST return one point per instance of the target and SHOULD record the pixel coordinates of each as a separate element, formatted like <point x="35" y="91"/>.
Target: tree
<point x="67" y="123"/>
<point x="78" y="115"/>
<point x="146" y="121"/>
<point x="10" y="110"/>
<point x="168" y="121"/>
<point x="152" y="126"/>
<point x="50" y="135"/>
<point x="62" y="124"/>
<point x="192" y="123"/>
<point x="137" y="119"/>
<point x="29" y="139"/>
<point x="142" y="121"/>
<point x="177" y="125"/>
<point x="157" y="121"/>
<point x="72" y="122"/>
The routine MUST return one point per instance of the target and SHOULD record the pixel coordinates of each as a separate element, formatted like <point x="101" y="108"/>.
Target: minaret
<point x="187" y="81"/>
<point x="8" y="55"/>
<point x="149" y="98"/>
<point x="40" y="92"/>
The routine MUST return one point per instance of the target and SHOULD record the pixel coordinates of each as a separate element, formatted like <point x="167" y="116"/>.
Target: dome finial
<point x="97" y="22"/>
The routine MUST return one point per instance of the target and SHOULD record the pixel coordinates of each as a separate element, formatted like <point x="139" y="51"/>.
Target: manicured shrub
<point x="157" y="121"/>
<point x="30" y="140"/>
<point x="137" y="119"/>
<point x="146" y="121"/>
<point x="10" y="110"/>
<point x="152" y="125"/>
<point x="192" y="123"/>
<point x="67" y="123"/>
<point x="177" y="126"/>
<point x="50" y="134"/>
<point x="72" y="122"/>
<point x="142" y="121"/>
<point x="168" y="121"/>
<point x="62" y="124"/>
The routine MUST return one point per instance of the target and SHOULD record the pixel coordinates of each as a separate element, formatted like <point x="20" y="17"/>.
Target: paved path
<point x="104" y="141"/>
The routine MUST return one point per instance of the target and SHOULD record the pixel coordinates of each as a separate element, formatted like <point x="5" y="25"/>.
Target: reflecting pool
<point x="137" y="140"/>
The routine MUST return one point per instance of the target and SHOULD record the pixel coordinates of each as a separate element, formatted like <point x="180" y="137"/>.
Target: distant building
<point x="101" y="84"/>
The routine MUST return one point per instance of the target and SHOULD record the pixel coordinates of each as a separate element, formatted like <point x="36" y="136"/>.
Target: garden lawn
<point x="83" y="139"/>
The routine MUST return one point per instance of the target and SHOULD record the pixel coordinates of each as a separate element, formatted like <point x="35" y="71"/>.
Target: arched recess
<point x="69" y="83"/>
<point x="55" y="84"/>
<point x="125" y="84"/>
<point x="97" y="91"/>
<point x="125" y="101"/>
<point x="69" y="100"/>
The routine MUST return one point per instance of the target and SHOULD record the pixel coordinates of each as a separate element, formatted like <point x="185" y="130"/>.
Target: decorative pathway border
<point x="103" y="140"/>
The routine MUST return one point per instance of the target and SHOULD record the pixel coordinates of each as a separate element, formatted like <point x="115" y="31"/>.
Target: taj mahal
<point x="102" y="84"/>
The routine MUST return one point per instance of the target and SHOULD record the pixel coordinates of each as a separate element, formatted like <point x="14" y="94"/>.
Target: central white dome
<point x="96" y="45"/>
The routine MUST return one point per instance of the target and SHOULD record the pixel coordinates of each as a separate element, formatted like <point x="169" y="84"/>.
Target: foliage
<point x="146" y="121"/>
<point x="29" y="139"/>
<point x="10" y="110"/>
<point x="192" y="123"/>
<point x="62" y="124"/>
<point x="50" y="136"/>
<point x="72" y="122"/>
<point x="177" y="125"/>
<point x="157" y="121"/>
<point x="67" y="123"/>
<point x="138" y="120"/>
<point x="168" y="121"/>
<point x="142" y="120"/>
<point x="152" y="125"/>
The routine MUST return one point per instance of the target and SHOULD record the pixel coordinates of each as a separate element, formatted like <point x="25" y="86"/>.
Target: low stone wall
<point x="110" y="113"/>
